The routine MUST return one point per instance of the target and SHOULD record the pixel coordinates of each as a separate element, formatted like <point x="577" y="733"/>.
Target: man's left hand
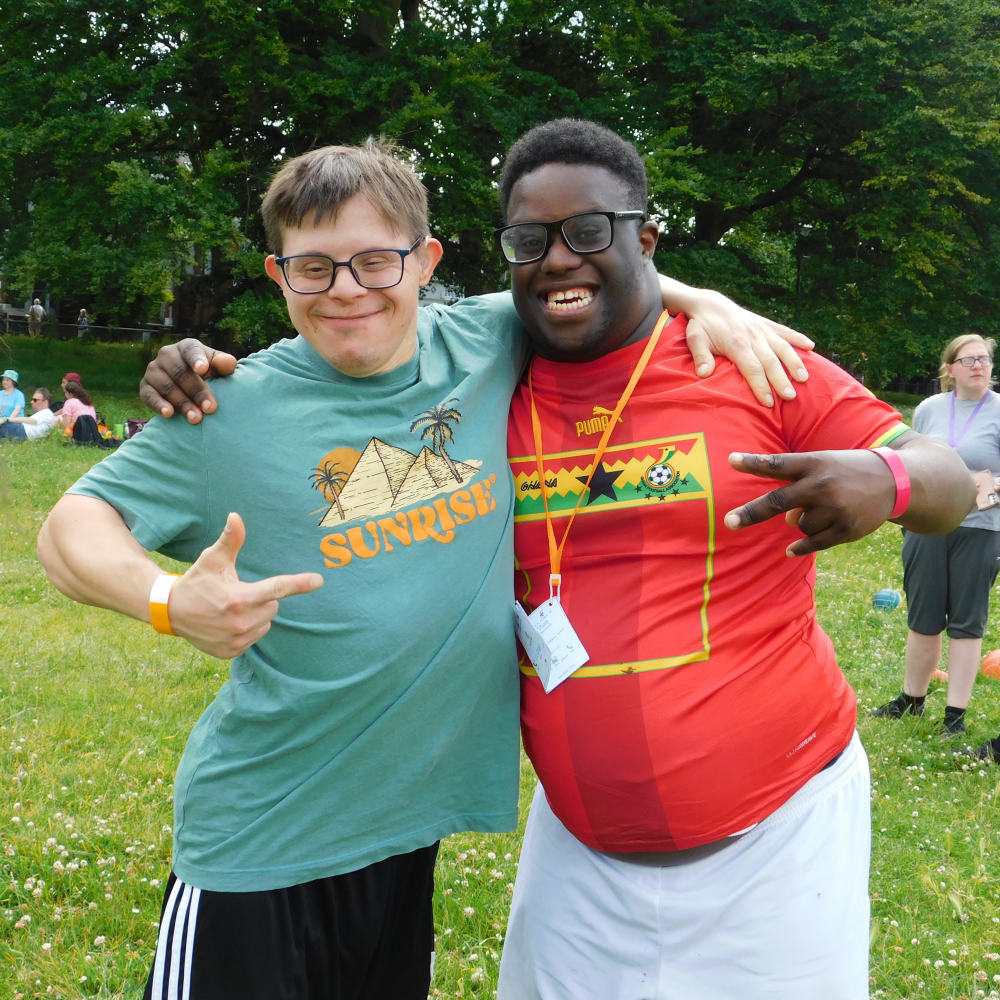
<point x="833" y="496"/>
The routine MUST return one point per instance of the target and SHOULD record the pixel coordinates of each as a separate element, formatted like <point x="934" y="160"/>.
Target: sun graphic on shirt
<point x="333" y="471"/>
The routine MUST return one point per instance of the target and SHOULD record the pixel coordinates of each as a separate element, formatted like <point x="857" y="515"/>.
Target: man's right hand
<point x="216" y="611"/>
<point x="175" y="379"/>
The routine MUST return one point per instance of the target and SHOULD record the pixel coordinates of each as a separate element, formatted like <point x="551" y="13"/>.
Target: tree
<point x="330" y="479"/>
<point x="436" y="423"/>
<point x="834" y="165"/>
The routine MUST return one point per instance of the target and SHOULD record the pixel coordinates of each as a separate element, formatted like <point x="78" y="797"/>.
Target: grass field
<point x="95" y="709"/>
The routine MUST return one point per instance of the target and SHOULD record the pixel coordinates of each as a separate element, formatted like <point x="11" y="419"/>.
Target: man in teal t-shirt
<point x="377" y="710"/>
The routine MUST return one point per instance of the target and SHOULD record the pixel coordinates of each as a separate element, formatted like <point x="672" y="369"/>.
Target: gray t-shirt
<point x="978" y="442"/>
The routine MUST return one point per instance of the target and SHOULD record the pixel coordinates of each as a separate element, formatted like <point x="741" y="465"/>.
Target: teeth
<point x="569" y="299"/>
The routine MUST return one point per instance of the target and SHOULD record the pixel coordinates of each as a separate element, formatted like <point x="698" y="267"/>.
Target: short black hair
<point x="575" y="141"/>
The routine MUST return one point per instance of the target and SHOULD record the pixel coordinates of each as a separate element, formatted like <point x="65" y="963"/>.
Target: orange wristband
<point x="159" y="599"/>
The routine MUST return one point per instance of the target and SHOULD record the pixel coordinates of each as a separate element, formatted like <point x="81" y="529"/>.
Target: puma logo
<point x="597" y="423"/>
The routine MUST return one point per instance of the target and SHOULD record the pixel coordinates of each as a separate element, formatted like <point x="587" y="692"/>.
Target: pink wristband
<point x="898" y="470"/>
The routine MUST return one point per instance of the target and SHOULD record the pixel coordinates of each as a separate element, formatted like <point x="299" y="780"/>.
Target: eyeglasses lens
<point x="588" y="233"/>
<point x="524" y="243"/>
<point x="969" y="362"/>
<point x="380" y="269"/>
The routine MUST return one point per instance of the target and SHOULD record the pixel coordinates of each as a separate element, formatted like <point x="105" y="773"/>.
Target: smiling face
<point x="971" y="383"/>
<point x="577" y="307"/>
<point x="359" y="331"/>
<point x="8" y="384"/>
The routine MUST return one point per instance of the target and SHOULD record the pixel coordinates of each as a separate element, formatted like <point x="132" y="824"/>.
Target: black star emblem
<point x="602" y="485"/>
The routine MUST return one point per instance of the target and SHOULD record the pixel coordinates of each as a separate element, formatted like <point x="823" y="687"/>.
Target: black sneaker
<point x="989" y="751"/>
<point x="898" y="707"/>
<point x="952" y="730"/>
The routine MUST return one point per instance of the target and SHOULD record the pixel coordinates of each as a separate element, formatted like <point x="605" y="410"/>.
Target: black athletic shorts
<point x="948" y="578"/>
<point x="366" y="935"/>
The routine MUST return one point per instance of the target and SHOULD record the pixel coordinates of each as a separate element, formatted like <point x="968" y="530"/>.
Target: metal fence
<point x="18" y="325"/>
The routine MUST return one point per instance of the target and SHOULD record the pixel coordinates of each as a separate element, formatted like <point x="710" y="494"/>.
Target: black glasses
<point x="588" y="232"/>
<point x="969" y="362"/>
<point x="311" y="274"/>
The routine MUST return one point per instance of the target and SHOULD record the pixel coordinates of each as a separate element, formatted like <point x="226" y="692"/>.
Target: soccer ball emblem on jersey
<point x="660" y="475"/>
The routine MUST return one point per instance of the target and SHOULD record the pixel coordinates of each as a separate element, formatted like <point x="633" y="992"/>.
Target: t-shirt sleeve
<point x="496" y="313"/>
<point x="835" y="412"/>
<point x="157" y="481"/>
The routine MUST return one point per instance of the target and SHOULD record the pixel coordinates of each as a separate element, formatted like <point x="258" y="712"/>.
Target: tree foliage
<point x="834" y="165"/>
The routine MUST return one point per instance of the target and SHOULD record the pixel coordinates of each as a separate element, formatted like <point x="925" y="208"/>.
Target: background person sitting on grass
<point x="78" y="402"/>
<point x="34" y="427"/>
<point x="11" y="398"/>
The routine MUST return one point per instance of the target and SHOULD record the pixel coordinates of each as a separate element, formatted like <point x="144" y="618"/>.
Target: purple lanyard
<point x="952" y="440"/>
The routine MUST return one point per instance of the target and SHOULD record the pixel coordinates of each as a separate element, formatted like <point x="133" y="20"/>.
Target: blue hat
<point x="11" y="374"/>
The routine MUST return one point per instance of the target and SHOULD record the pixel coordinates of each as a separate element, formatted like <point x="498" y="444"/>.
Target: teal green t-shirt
<point x="379" y="713"/>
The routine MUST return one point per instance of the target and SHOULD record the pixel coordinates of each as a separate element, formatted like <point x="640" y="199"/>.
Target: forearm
<point x="942" y="489"/>
<point x="681" y="298"/>
<point x="21" y="420"/>
<point x="90" y="556"/>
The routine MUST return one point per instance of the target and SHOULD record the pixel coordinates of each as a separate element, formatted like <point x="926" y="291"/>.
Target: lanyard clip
<point x="555" y="585"/>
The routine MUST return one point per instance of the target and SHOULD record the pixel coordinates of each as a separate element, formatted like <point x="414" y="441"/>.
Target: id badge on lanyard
<point x="547" y="635"/>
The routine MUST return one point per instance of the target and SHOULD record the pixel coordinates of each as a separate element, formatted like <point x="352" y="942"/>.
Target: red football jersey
<point x="711" y="694"/>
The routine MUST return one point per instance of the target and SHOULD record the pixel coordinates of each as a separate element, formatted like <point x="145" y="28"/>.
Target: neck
<point x="961" y="392"/>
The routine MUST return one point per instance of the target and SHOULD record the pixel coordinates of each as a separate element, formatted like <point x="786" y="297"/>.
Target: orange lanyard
<point x="556" y="551"/>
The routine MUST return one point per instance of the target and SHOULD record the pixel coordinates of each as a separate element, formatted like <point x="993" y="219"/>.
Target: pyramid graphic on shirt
<point x="388" y="478"/>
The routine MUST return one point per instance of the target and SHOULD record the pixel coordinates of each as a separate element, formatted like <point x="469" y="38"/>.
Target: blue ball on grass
<point x="886" y="599"/>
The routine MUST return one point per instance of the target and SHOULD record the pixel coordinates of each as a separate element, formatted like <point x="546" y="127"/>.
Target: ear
<point x="429" y="255"/>
<point x="273" y="271"/>
<point x="649" y="234"/>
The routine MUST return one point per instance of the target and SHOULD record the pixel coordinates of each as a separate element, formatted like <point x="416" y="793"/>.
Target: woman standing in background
<point x="948" y="578"/>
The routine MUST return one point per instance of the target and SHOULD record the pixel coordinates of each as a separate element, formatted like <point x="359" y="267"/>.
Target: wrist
<point x="901" y="480"/>
<point x="159" y="602"/>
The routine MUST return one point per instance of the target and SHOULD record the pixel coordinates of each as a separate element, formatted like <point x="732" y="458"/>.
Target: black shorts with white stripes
<point x="366" y="935"/>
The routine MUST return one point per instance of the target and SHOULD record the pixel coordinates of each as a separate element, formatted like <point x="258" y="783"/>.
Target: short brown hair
<point x="321" y="180"/>
<point x="951" y="351"/>
<point x="44" y="393"/>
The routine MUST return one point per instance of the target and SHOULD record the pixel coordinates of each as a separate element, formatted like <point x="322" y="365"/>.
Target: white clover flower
<point x="99" y="940"/>
<point x="92" y="906"/>
<point x="476" y="977"/>
<point x="47" y="946"/>
<point x="491" y="856"/>
<point x="15" y="819"/>
<point x="469" y="911"/>
<point x="938" y="964"/>
<point x="154" y="883"/>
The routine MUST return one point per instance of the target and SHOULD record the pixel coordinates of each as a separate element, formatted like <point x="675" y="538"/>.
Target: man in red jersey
<point x="702" y="826"/>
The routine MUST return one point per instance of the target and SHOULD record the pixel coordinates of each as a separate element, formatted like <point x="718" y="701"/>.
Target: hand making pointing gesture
<point x="216" y="611"/>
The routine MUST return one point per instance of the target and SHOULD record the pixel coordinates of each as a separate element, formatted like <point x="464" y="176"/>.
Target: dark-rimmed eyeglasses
<point x="587" y="232"/>
<point x="312" y="274"/>
<point x="970" y="362"/>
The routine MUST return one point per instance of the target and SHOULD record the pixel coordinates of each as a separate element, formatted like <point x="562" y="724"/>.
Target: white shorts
<point x="781" y="913"/>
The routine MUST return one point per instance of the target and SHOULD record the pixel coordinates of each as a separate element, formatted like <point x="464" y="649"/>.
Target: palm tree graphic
<point x="436" y="423"/>
<point x="330" y="479"/>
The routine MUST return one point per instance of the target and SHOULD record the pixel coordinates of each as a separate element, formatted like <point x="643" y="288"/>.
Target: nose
<point x="559" y="257"/>
<point x="345" y="285"/>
